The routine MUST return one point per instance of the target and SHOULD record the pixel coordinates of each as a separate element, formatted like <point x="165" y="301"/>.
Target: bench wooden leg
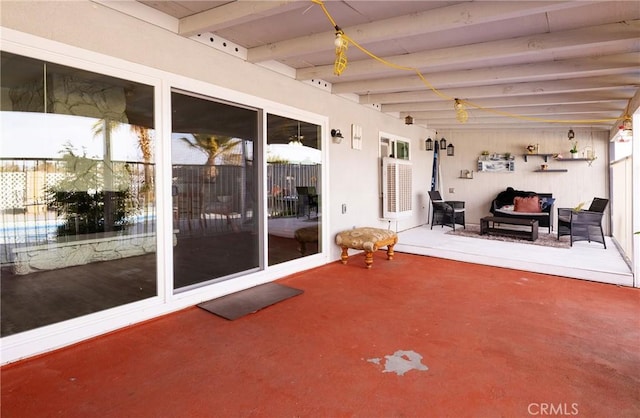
<point x="368" y="258"/>
<point x="390" y="251"/>
<point x="345" y="255"/>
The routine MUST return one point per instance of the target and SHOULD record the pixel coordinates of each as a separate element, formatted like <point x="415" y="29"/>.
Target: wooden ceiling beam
<point x="585" y="109"/>
<point x="552" y="70"/>
<point x="624" y="36"/>
<point x="615" y="96"/>
<point x="477" y="121"/>
<point x="505" y="90"/>
<point x="234" y="13"/>
<point x="415" y="24"/>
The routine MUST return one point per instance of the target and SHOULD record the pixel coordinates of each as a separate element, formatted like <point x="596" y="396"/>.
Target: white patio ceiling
<point x="518" y="64"/>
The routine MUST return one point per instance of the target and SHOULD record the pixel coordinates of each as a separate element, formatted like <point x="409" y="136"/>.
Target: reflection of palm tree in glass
<point x="213" y="146"/>
<point x="198" y="191"/>
<point x="144" y="142"/>
<point x="104" y="127"/>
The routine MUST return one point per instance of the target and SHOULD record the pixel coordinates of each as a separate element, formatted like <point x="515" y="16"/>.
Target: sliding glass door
<point x="294" y="180"/>
<point x="216" y="207"/>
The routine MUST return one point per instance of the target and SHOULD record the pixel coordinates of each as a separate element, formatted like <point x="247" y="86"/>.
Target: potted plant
<point x="574" y="150"/>
<point x="485" y="155"/>
<point x="507" y="155"/>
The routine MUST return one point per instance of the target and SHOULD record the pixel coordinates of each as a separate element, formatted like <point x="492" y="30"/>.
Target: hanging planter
<point x="574" y="150"/>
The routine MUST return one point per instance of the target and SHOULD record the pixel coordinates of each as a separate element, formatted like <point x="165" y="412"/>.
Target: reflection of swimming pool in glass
<point x="43" y="231"/>
<point x="29" y="232"/>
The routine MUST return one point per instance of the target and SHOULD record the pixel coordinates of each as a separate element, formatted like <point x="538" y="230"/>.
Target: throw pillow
<point x="546" y="202"/>
<point x="526" y="204"/>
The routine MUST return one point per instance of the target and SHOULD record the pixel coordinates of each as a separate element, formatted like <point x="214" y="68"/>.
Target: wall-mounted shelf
<point x="546" y="157"/>
<point x="551" y="170"/>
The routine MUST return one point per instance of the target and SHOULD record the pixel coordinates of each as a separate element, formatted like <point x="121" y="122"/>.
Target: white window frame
<point x="47" y="338"/>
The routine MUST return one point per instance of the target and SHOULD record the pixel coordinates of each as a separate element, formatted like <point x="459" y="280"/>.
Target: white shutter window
<point x="397" y="193"/>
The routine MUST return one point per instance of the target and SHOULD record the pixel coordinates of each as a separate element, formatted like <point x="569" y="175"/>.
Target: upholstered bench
<point x="367" y="239"/>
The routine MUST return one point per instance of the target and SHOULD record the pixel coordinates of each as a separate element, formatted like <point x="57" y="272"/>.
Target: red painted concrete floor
<point x="496" y="342"/>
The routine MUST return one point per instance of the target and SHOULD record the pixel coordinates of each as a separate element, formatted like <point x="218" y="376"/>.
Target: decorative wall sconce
<point x="450" y="150"/>
<point x="443" y="144"/>
<point x="571" y="135"/>
<point x="336" y="136"/>
<point x="408" y="120"/>
<point x="428" y="144"/>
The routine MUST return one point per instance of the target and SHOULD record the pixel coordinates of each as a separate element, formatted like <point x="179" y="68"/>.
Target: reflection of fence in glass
<point x="212" y="198"/>
<point x="221" y="205"/>
<point x="282" y="180"/>
<point x="25" y="207"/>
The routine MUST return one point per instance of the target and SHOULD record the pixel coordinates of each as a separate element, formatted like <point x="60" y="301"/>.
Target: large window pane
<point x="77" y="198"/>
<point x="215" y="208"/>
<point x="293" y="188"/>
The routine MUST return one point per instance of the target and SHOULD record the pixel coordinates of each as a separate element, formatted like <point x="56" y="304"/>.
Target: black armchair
<point x="583" y="225"/>
<point x="307" y="200"/>
<point x="447" y="213"/>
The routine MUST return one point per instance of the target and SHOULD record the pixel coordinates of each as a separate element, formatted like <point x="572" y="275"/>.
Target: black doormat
<point x="239" y="304"/>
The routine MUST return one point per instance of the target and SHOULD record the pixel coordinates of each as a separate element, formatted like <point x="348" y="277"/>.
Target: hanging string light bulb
<point x="625" y="129"/>
<point x="341" y="44"/>
<point x="461" y="113"/>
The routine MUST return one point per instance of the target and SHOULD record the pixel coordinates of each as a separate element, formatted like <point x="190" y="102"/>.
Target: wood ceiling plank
<point x="589" y="40"/>
<point x="595" y="111"/>
<point x="234" y="13"/>
<point x="506" y="90"/>
<point x="618" y="97"/>
<point x="572" y="68"/>
<point x="427" y="22"/>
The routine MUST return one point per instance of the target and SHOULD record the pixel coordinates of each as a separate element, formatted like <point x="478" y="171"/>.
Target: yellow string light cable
<point x="341" y="63"/>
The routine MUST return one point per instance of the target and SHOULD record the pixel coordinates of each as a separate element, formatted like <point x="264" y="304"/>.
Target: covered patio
<point x="471" y="340"/>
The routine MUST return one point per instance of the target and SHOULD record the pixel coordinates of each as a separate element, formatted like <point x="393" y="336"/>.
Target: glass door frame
<point x="322" y="256"/>
<point x="266" y="273"/>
